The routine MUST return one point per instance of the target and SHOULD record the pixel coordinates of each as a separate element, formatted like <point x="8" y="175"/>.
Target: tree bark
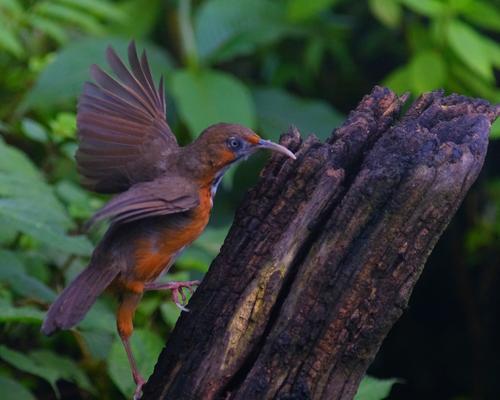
<point x="324" y="253"/>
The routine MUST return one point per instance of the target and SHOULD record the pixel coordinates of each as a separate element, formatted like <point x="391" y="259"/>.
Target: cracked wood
<point x="324" y="253"/>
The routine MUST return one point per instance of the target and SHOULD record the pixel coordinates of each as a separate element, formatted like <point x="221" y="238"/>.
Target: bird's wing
<point x="159" y="197"/>
<point x="123" y="133"/>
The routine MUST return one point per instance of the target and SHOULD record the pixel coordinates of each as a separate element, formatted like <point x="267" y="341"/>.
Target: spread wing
<point x="159" y="197"/>
<point x="123" y="133"/>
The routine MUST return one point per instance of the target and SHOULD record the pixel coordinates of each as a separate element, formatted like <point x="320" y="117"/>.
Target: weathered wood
<point x="324" y="253"/>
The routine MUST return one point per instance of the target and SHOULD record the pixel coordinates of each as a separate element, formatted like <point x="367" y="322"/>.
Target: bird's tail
<point x="74" y="302"/>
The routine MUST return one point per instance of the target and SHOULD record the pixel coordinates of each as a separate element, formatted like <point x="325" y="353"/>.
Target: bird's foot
<point x="138" y="389"/>
<point x="177" y="290"/>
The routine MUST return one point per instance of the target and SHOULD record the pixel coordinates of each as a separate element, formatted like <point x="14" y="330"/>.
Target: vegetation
<point x="266" y="64"/>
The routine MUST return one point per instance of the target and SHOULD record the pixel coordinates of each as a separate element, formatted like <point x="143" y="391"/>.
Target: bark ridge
<point x="324" y="252"/>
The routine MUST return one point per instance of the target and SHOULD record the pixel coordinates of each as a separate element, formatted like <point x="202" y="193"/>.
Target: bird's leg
<point x="176" y="288"/>
<point x="125" y="327"/>
<point x="138" y="379"/>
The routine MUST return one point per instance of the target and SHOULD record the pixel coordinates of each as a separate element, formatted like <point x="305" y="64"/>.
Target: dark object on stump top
<point x="324" y="253"/>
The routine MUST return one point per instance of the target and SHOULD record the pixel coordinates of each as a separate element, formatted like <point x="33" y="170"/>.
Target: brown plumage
<point x="164" y="192"/>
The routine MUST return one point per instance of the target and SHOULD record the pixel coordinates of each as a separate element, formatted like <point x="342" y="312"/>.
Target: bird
<point x="163" y="192"/>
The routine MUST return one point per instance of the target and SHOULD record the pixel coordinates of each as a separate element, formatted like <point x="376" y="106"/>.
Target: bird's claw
<point x="138" y="390"/>
<point x="178" y="290"/>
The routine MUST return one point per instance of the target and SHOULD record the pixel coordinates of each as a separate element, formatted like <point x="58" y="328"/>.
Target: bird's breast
<point x="158" y="251"/>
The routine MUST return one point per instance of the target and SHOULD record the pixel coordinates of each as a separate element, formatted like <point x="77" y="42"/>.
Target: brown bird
<point x="164" y="192"/>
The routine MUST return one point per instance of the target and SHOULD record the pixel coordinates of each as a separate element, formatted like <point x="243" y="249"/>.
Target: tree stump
<point x="324" y="252"/>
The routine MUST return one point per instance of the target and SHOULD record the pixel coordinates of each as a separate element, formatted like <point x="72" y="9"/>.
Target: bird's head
<point x="221" y="145"/>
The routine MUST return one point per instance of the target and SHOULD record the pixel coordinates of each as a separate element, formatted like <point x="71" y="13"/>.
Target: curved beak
<point x="267" y="144"/>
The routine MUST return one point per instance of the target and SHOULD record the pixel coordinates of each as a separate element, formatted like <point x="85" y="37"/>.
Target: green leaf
<point x="277" y="110"/>
<point x="69" y="15"/>
<point x="79" y="203"/>
<point x="12" y="6"/>
<point x="25" y="215"/>
<point x="28" y="204"/>
<point x="34" y="130"/>
<point x="474" y="83"/>
<point x="26" y="315"/>
<point x="493" y="49"/>
<point x="495" y="130"/>
<point x="227" y="28"/>
<point x="208" y="97"/>
<point x="48" y="366"/>
<point x="427" y="71"/>
<point x="471" y="47"/>
<point x="483" y="14"/>
<point x="12" y="390"/>
<point x="13" y="272"/>
<point x="170" y="313"/>
<point x="10" y="42"/>
<point x="399" y="80"/>
<point x="429" y="8"/>
<point x="200" y="254"/>
<point x="299" y="10"/>
<point x="100" y="318"/>
<point x="140" y="20"/>
<point x="63" y="126"/>
<point x="146" y="347"/>
<point x="99" y="8"/>
<point x="49" y="27"/>
<point x="64" y="367"/>
<point x="98" y="343"/>
<point x="387" y="11"/>
<point x="374" y="389"/>
<point x="61" y="81"/>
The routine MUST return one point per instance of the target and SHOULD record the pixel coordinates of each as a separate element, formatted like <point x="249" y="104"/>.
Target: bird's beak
<point x="267" y="144"/>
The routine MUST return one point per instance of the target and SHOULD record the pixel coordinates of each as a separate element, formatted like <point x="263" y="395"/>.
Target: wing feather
<point x="159" y="197"/>
<point x="123" y="133"/>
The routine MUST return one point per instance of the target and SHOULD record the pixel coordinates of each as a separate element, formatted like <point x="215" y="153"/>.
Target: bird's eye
<point x="234" y="143"/>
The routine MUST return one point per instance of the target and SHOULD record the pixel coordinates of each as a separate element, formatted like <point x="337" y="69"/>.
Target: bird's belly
<point x="157" y="252"/>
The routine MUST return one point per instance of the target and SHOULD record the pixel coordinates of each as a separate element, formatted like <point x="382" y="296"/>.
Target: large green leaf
<point x="10" y="42"/>
<point x="34" y="130"/>
<point x="29" y="204"/>
<point x="61" y="81"/>
<point x="471" y="47"/>
<point x="64" y="367"/>
<point x="12" y="390"/>
<point x="99" y="318"/>
<point x="387" y="11"/>
<point x="298" y="10"/>
<point x="277" y="110"/>
<point x="26" y="364"/>
<point x="140" y="20"/>
<point x="200" y="254"/>
<point x="399" y="80"/>
<point x="102" y="9"/>
<point x="13" y="272"/>
<point x="427" y="71"/>
<point x="495" y="130"/>
<point x="483" y="14"/>
<point x="227" y="28"/>
<point x="208" y="97"/>
<point x="48" y="366"/>
<point x="146" y="347"/>
<point x="70" y="16"/>
<point x="25" y="315"/>
<point x="78" y="201"/>
<point x="374" y="389"/>
<point x="430" y="8"/>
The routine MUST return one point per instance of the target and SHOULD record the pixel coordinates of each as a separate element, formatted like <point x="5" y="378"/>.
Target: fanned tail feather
<point x="75" y="301"/>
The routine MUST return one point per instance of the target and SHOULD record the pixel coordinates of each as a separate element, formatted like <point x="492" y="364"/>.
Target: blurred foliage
<point x="266" y="64"/>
